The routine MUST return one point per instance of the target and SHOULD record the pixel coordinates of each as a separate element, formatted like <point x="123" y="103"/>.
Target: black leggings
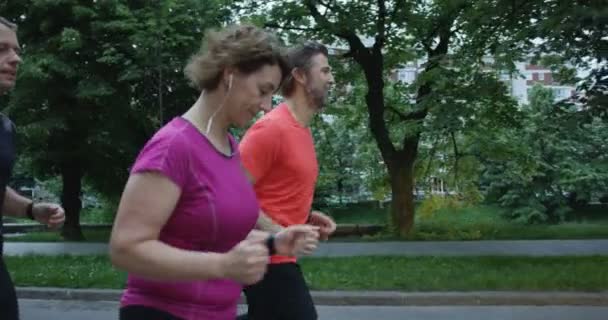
<point x="281" y="295"/>
<point x="8" y="298"/>
<point x="135" y="312"/>
<point x="147" y="313"/>
<point x="143" y="312"/>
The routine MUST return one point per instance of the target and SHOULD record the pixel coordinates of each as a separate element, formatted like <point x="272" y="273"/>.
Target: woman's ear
<point x="228" y="78"/>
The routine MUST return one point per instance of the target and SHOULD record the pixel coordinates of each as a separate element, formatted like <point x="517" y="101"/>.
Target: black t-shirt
<point x="7" y="160"/>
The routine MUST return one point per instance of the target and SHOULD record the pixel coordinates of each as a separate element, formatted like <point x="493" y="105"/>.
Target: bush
<point x="465" y="223"/>
<point x="434" y="203"/>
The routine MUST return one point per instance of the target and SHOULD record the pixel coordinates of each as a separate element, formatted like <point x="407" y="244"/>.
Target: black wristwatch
<point x="29" y="210"/>
<point x="272" y="250"/>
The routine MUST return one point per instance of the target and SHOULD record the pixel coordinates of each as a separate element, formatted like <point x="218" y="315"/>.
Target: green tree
<point x="542" y="168"/>
<point x="350" y="168"/>
<point x="93" y="82"/>
<point x="65" y="92"/>
<point x="450" y="38"/>
<point x="576" y="31"/>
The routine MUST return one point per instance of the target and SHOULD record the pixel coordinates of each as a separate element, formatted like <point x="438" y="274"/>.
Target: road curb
<point x="370" y="298"/>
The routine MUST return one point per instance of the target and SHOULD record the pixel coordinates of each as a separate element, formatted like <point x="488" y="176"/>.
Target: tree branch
<point x="398" y="4"/>
<point x="444" y="24"/>
<point x="328" y="6"/>
<point x="359" y="52"/>
<point x="495" y="26"/>
<point x="416" y="115"/>
<point x="381" y="26"/>
<point x="456" y="158"/>
<point x="431" y="156"/>
<point x="371" y="63"/>
<point x="400" y="114"/>
<point x="275" y="25"/>
<point x="427" y="47"/>
<point x="348" y="54"/>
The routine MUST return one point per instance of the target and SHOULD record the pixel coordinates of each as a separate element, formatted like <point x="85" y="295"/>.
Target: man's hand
<point x="297" y="240"/>
<point x="326" y="225"/>
<point x="50" y="214"/>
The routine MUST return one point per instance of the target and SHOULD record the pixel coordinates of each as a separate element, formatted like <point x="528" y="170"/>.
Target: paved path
<point x="468" y="248"/>
<point x="372" y="298"/>
<point x="78" y="310"/>
<point x="344" y="249"/>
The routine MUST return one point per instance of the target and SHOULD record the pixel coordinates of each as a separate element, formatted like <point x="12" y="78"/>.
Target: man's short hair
<point x="301" y="57"/>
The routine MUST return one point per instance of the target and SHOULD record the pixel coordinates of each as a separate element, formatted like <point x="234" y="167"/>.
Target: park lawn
<point x="489" y="223"/>
<point x="102" y="235"/>
<point x="358" y="213"/>
<point x="359" y="273"/>
<point x="474" y="223"/>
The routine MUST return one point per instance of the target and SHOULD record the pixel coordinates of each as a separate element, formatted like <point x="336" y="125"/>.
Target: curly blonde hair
<point x="244" y="47"/>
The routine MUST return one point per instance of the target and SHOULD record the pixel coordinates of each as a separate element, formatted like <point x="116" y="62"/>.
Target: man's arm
<point x="259" y="150"/>
<point x="264" y="222"/>
<point x="326" y="224"/>
<point x="15" y="205"/>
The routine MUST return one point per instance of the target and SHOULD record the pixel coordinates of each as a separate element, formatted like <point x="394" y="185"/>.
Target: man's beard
<point x="318" y="96"/>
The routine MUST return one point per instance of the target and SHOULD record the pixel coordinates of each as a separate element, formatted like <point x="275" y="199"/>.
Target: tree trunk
<point x="402" y="205"/>
<point x="71" y="174"/>
<point x="400" y="163"/>
<point x="456" y="160"/>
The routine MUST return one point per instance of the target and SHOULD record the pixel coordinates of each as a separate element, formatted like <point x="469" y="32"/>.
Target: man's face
<point x="9" y="58"/>
<point x="319" y="81"/>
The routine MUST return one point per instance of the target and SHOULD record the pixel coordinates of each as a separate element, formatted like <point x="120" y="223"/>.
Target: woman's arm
<point x="147" y="203"/>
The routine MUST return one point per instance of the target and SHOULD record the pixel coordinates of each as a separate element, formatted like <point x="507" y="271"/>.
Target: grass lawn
<point x="360" y="213"/>
<point x="359" y="273"/>
<point x="474" y="223"/>
<point x="54" y="236"/>
<point x="487" y="223"/>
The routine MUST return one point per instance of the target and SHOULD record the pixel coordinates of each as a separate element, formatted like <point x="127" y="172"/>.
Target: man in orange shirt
<point x="279" y="156"/>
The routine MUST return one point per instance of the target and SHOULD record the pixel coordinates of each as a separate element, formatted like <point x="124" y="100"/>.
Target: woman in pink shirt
<point x="184" y="227"/>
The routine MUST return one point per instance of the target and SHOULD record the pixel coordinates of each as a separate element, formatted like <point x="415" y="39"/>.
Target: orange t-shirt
<point x="280" y="155"/>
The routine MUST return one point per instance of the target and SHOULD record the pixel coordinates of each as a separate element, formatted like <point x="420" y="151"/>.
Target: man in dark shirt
<point x="12" y="203"/>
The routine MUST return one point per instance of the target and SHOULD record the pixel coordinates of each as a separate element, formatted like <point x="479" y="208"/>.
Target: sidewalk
<point x="371" y="298"/>
<point x="348" y="249"/>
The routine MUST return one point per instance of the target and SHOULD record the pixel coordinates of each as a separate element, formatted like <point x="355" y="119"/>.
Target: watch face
<point x="270" y="245"/>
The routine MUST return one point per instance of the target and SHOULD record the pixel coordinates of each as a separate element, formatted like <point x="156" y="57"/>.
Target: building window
<point x="504" y="76"/>
<point x="406" y="76"/>
<point x="561" y="93"/>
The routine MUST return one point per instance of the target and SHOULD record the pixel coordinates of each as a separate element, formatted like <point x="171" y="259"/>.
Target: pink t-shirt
<point x="216" y="210"/>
